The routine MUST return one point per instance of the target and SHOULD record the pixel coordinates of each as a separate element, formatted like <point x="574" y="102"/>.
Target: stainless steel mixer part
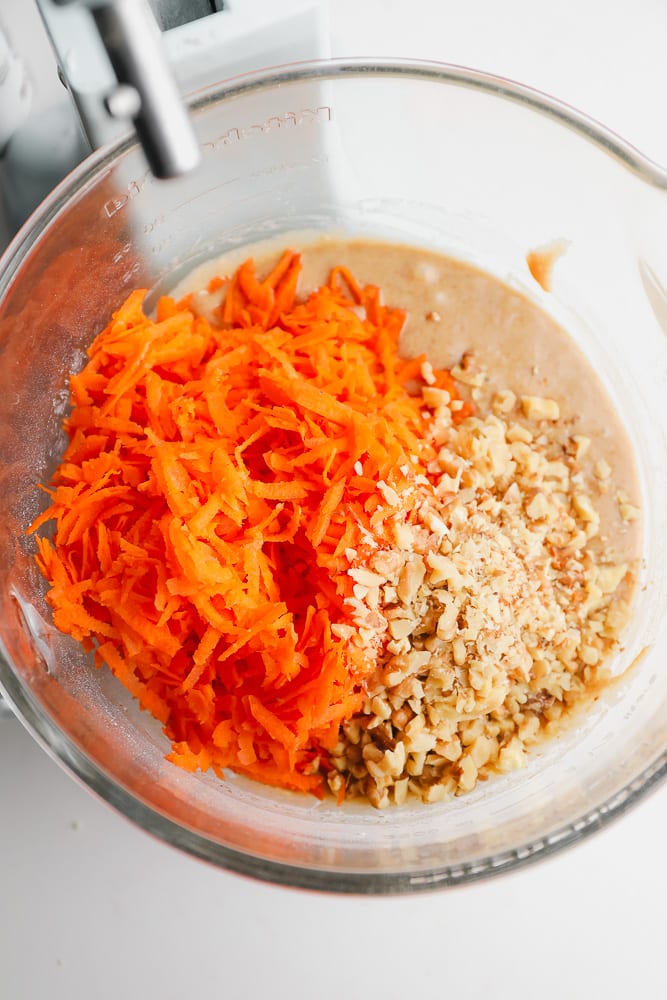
<point x="144" y="88"/>
<point x="203" y="42"/>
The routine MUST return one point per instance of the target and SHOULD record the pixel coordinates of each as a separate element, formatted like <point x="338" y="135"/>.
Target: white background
<point x="91" y="907"/>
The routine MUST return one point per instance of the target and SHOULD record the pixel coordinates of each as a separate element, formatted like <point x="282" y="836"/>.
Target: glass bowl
<point x="428" y="154"/>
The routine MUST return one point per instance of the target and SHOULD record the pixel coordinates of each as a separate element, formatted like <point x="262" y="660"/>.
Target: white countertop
<point x="91" y="907"/>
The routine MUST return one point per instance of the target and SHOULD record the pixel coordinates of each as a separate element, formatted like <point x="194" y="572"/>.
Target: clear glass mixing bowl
<point x="427" y="154"/>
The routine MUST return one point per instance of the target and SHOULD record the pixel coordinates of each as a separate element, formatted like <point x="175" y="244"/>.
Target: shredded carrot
<point x="206" y="501"/>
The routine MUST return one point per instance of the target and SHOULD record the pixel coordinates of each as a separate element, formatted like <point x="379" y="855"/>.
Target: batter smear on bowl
<point x="327" y="546"/>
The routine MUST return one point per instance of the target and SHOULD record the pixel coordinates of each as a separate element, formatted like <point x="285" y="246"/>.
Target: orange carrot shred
<point x="217" y="474"/>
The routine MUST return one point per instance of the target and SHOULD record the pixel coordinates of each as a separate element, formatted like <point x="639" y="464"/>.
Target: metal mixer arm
<point x="144" y="88"/>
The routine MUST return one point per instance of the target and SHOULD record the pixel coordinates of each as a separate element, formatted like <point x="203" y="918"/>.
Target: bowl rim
<point x="65" y="752"/>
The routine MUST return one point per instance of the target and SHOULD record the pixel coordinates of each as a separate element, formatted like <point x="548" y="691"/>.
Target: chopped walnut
<point x="489" y="613"/>
<point x="538" y="408"/>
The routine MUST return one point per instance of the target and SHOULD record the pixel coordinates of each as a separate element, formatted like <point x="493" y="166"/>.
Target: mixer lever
<point x="146" y="90"/>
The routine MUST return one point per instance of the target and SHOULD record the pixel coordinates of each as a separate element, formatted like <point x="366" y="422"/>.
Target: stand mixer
<point x="126" y="63"/>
